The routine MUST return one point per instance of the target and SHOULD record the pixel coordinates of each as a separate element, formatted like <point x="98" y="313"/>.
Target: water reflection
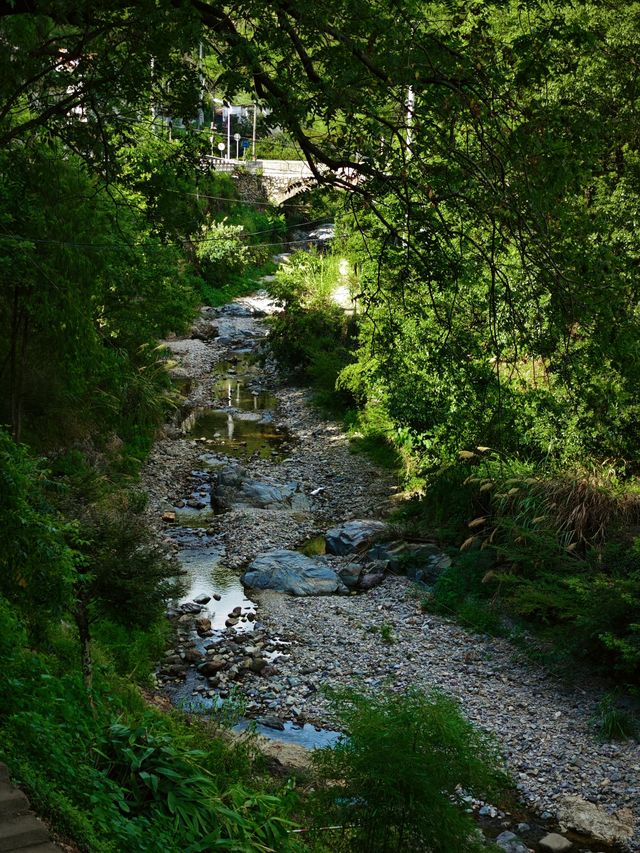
<point x="205" y="574"/>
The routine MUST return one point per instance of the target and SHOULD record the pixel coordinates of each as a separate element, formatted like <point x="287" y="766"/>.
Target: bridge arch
<point x="279" y="180"/>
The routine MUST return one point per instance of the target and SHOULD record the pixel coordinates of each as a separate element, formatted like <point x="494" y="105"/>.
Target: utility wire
<point x="185" y="241"/>
<point x="150" y="245"/>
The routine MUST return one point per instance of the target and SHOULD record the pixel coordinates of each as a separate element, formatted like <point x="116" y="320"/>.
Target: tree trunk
<point x="81" y="614"/>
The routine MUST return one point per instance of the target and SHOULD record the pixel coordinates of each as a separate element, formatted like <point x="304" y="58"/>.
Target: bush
<point x="552" y="550"/>
<point x="614" y="722"/>
<point x="311" y="337"/>
<point x="36" y="563"/>
<point x="221" y="251"/>
<point x="392" y="780"/>
<point x="130" y="580"/>
<point x="118" y="776"/>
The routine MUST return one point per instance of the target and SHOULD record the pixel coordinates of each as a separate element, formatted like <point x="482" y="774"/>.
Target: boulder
<point x="555" y="843"/>
<point x="211" y="667"/>
<point x="202" y="599"/>
<point x="576" y="813"/>
<point x="292" y="572"/>
<point x="204" y="330"/>
<point x="203" y="624"/>
<point x="353" y="535"/>
<point x="271" y="722"/>
<point x="234" y="488"/>
<point x="350" y="574"/>
<point x="420" y="561"/>
<point x="510" y="843"/>
<point x="370" y="580"/>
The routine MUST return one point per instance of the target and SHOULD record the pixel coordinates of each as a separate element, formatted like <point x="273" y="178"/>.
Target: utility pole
<point x="229" y="132"/>
<point x="253" y="146"/>
<point x="152" y="104"/>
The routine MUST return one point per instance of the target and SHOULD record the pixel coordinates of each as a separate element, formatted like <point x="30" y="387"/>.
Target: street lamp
<point x="237" y="137"/>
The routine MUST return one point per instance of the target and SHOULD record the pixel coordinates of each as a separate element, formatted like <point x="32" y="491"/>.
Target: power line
<point x="142" y="243"/>
<point x="151" y="245"/>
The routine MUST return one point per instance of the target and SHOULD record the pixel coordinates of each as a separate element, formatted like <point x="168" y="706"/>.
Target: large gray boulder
<point x="264" y="494"/>
<point x="353" y="535"/>
<point x="292" y="572"/>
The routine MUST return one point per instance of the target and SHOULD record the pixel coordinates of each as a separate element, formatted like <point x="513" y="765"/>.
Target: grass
<point x="614" y="722"/>
<point x="240" y="285"/>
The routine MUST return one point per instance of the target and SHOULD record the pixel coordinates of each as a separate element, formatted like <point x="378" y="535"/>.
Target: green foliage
<point x="36" y="561"/>
<point x="371" y="431"/>
<point x="130" y="577"/>
<point x="233" y="253"/>
<point x="612" y="721"/>
<point x="120" y="776"/>
<point x="132" y="651"/>
<point x="221" y="250"/>
<point x="391" y="781"/>
<point x="85" y="292"/>
<point x="156" y="777"/>
<point x="553" y="550"/>
<point x="459" y="592"/>
<point x="311" y="337"/>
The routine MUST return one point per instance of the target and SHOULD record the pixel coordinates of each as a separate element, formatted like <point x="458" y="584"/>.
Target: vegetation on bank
<point x="542" y="542"/>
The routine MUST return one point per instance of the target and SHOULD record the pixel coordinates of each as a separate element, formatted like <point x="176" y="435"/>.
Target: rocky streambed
<point x="247" y="478"/>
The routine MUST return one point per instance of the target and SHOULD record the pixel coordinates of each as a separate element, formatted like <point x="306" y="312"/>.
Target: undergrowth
<point x="556" y="550"/>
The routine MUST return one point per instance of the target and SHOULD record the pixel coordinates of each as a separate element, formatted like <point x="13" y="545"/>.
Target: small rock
<point x="510" y="843"/>
<point x="555" y="843"/>
<point x="271" y="722"/>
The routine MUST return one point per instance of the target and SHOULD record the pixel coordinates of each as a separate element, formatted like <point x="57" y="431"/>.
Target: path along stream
<point x="249" y="467"/>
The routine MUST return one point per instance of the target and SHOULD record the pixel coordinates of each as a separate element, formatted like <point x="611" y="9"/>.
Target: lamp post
<point x="236" y="136"/>
<point x="253" y="146"/>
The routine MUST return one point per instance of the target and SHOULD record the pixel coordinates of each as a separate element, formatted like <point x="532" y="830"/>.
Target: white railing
<point x="294" y="169"/>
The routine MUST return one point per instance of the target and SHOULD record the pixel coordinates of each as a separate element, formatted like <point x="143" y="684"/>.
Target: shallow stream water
<point x="242" y="424"/>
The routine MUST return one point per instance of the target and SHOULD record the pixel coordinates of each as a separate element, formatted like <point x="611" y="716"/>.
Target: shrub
<point x="391" y="781"/>
<point x="311" y="337"/>
<point x="221" y="251"/>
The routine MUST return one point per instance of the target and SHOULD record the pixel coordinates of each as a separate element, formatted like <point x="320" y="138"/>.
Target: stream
<point x="248" y="467"/>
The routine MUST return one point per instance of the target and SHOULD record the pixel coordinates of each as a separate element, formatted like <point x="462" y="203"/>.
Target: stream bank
<point x="274" y="651"/>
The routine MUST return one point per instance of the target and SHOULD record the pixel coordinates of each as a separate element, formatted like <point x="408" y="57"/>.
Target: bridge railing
<point x="270" y="168"/>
